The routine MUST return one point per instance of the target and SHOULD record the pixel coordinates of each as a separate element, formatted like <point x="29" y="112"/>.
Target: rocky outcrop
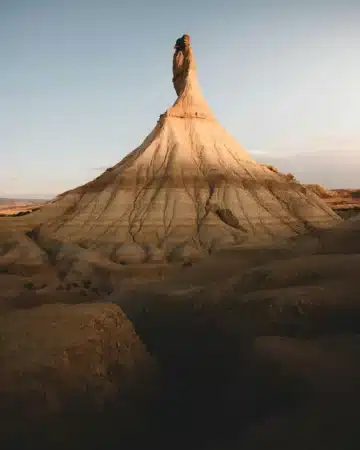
<point x="129" y="254"/>
<point x="189" y="181"/>
<point x="61" y="365"/>
<point x="20" y="254"/>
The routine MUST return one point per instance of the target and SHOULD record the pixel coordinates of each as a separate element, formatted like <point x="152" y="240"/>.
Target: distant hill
<point x="11" y="206"/>
<point x="20" y="201"/>
<point x="330" y="168"/>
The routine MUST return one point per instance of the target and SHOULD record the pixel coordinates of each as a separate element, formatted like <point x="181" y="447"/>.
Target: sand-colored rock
<point x="321" y="190"/>
<point x="186" y="253"/>
<point x="188" y="181"/>
<point x="345" y="202"/>
<point x="155" y="254"/>
<point x="75" y="263"/>
<point x="129" y="254"/>
<point x="57" y="360"/>
<point x="18" y="253"/>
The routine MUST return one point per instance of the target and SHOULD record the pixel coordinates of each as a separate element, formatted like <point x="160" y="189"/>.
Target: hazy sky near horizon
<point x="84" y="81"/>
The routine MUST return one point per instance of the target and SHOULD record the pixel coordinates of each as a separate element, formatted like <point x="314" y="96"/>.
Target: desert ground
<point x="249" y="348"/>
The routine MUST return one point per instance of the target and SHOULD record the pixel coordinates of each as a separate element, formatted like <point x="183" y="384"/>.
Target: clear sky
<point x="82" y="82"/>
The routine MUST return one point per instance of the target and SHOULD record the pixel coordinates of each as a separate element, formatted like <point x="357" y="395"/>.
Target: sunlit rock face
<point x="189" y="184"/>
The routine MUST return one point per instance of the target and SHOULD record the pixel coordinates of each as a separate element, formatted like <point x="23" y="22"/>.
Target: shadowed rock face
<point x="188" y="183"/>
<point x="64" y="365"/>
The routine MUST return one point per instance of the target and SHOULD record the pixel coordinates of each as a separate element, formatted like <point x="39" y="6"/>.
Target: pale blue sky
<point x="82" y="82"/>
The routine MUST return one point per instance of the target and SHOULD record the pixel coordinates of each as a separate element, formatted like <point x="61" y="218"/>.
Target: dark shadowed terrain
<point x="252" y="348"/>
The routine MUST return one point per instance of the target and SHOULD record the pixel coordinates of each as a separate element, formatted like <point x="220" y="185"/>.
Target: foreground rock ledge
<point x="57" y="360"/>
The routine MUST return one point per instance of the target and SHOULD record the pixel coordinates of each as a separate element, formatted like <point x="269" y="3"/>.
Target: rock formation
<point x="64" y="367"/>
<point x="188" y="188"/>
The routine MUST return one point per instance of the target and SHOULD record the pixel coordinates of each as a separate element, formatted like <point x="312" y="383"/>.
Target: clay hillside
<point x="188" y="298"/>
<point x="188" y="188"/>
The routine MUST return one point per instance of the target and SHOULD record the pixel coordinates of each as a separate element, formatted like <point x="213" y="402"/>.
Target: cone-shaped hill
<point x="188" y="185"/>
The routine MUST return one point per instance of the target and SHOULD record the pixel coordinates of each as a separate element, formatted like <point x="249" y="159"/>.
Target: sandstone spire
<point x="188" y="187"/>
